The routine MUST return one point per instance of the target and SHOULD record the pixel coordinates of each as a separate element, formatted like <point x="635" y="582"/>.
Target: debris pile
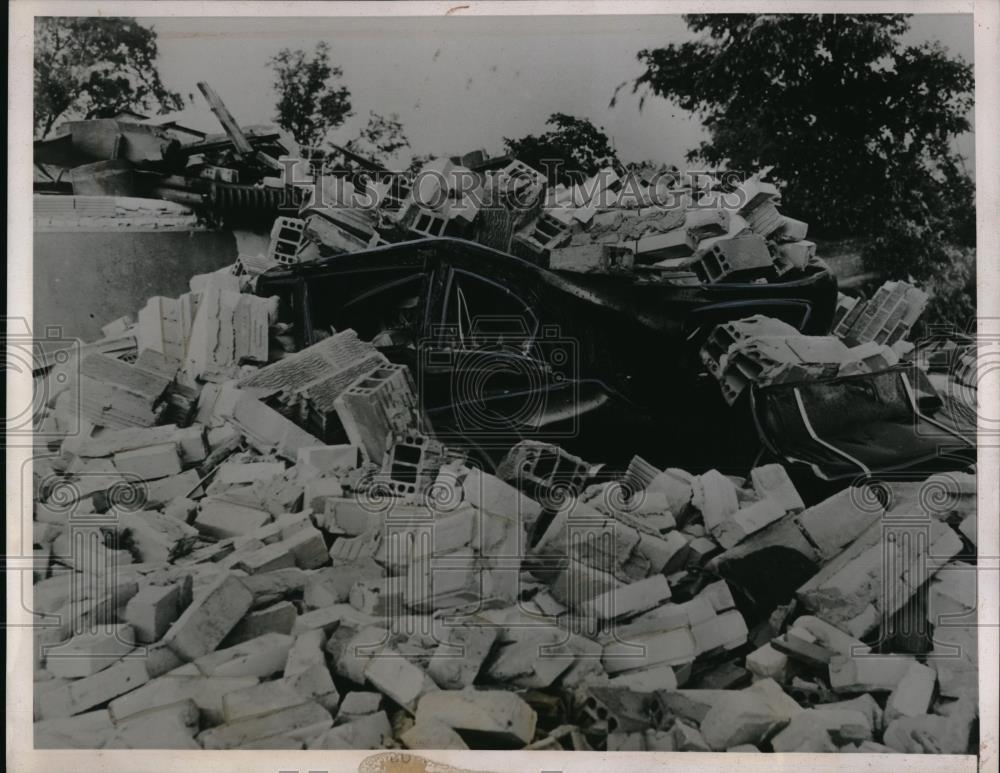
<point x="244" y="542"/>
<point x="241" y="547"/>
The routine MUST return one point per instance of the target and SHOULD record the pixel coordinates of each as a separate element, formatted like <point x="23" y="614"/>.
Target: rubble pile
<point x="242" y="543"/>
<point x="241" y="551"/>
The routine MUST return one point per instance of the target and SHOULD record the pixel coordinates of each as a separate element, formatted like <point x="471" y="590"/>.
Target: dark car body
<point x="503" y="349"/>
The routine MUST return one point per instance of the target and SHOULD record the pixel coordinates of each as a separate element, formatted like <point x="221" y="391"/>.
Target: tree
<point x="310" y="102"/>
<point x="96" y="67"/>
<point x="381" y="139"/>
<point x="857" y="125"/>
<point x="572" y="149"/>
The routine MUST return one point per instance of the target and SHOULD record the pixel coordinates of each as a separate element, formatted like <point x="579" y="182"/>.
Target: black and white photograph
<point x="451" y="387"/>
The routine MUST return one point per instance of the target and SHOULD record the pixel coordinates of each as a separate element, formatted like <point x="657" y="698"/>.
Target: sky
<point x="461" y="84"/>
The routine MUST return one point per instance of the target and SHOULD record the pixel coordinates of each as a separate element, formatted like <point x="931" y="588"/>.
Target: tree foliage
<point x="310" y="101"/>
<point x="578" y="148"/>
<point x="856" y="125"/>
<point x="96" y="67"/>
<point x="381" y="138"/>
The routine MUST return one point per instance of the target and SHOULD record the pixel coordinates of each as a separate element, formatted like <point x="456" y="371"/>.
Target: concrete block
<point x="497" y="714"/>
<point x="325" y="460"/>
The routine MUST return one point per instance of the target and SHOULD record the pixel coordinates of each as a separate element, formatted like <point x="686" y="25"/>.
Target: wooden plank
<point x="242" y="144"/>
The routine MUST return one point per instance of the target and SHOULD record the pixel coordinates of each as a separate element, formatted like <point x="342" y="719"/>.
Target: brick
<point x="87" y="653"/>
<point x="277" y="618"/>
<point x="868" y="673"/>
<point x="205" y="623"/>
<point x="766" y="662"/>
<point x="457" y="660"/>
<point x="267" y="559"/>
<point x="488" y="493"/>
<point x="87" y="693"/>
<point x="715" y="498"/>
<point x="912" y="695"/>
<point x="813" y="730"/>
<point x="752" y="716"/>
<point x="673" y="648"/>
<point x="431" y="734"/>
<point x="306" y="652"/>
<point x="220" y="518"/>
<point x="494" y="713"/>
<point x="77" y="732"/>
<point x="205" y="692"/>
<point x="849" y="592"/>
<point x="727" y="630"/>
<point x="150" y="463"/>
<point x="371" y="731"/>
<point x="261" y="657"/>
<point x="304" y="721"/>
<point x="397" y="678"/>
<point x="591" y="258"/>
<point x="324" y="460"/>
<point x="646" y="679"/>
<point x="358" y="703"/>
<point x="630" y="600"/>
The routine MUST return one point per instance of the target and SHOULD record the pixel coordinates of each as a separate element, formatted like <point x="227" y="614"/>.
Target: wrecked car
<point x="503" y="349"/>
